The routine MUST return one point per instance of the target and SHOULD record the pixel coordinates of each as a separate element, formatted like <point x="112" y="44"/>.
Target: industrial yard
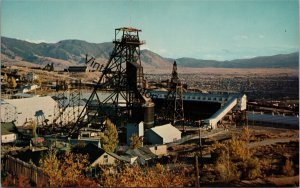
<point x="115" y="125"/>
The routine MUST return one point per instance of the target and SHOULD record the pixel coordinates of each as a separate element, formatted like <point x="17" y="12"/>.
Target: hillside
<point x="276" y="61"/>
<point x="72" y="52"/>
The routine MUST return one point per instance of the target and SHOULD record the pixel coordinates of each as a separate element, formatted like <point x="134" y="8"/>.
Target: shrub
<point x="23" y="181"/>
<point x="252" y="168"/>
<point x="287" y="169"/>
<point x="8" y="181"/>
<point x="135" y="176"/>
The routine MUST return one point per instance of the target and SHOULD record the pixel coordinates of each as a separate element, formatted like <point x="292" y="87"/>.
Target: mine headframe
<point x="173" y="107"/>
<point x="122" y="79"/>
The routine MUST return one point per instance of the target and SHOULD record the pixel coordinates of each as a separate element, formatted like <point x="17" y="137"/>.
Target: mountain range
<point x="72" y="52"/>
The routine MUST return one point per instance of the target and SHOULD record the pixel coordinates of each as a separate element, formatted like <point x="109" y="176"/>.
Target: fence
<point x="16" y="167"/>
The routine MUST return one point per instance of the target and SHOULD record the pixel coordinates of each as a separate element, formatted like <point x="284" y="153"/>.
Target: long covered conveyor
<point x="216" y="117"/>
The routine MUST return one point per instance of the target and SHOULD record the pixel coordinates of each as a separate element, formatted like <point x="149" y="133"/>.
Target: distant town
<point x="111" y="124"/>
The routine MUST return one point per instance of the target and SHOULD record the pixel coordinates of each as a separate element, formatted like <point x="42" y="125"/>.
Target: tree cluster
<point x="136" y="176"/>
<point x="234" y="160"/>
<point x="67" y="170"/>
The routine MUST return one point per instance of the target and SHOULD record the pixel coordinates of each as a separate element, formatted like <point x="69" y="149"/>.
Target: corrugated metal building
<point x="162" y="134"/>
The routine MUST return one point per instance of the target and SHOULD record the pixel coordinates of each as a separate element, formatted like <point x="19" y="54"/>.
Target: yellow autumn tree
<point x="65" y="171"/>
<point x="246" y="134"/>
<point x="51" y="166"/>
<point x="135" y="141"/>
<point x="136" y="176"/>
<point x="109" y="138"/>
<point x="12" y="83"/>
<point x="235" y="160"/>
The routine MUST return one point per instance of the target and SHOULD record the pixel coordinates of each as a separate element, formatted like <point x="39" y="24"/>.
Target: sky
<point x="203" y="29"/>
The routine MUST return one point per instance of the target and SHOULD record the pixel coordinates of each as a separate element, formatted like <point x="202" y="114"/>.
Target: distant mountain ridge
<point x="72" y="52"/>
<point x="276" y="61"/>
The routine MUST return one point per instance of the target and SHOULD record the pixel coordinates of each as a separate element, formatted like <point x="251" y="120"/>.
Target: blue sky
<point x="204" y="29"/>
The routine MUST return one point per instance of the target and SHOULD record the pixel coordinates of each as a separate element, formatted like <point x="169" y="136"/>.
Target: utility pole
<point x="200" y="146"/>
<point x="197" y="173"/>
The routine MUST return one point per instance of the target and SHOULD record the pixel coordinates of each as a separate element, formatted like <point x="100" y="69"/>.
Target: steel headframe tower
<point x="174" y="100"/>
<point x="122" y="77"/>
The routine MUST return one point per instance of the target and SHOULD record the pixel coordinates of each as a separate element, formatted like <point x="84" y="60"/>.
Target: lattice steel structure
<point x="174" y="101"/>
<point x="10" y="112"/>
<point x="122" y="78"/>
<point x="62" y="100"/>
<point x="68" y="107"/>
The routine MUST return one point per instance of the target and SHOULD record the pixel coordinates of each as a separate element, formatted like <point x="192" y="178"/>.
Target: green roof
<point x="8" y="128"/>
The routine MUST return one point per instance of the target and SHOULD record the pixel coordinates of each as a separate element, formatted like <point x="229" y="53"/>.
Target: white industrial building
<point x="40" y="110"/>
<point x="29" y="109"/>
<point x="162" y="134"/>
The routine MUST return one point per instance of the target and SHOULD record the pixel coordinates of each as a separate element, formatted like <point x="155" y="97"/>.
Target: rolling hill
<point x="72" y="52"/>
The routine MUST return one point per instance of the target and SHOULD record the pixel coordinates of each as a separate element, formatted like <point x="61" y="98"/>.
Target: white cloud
<point x="35" y="41"/>
<point x="261" y="36"/>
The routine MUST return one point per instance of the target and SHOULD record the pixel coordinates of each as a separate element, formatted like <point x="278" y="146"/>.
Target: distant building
<point x="28" y="88"/>
<point x="8" y="132"/>
<point x="77" y="69"/>
<point x="99" y="157"/>
<point x="26" y="131"/>
<point x="162" y="134"/>
<point x="159" y="150"/>
<point x="87" y="133"/>
<point x="255" y="118"/>
<point x="144" y="155"/>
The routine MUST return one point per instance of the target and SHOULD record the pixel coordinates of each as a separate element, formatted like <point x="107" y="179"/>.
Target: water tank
<point x="148" y="115"/>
